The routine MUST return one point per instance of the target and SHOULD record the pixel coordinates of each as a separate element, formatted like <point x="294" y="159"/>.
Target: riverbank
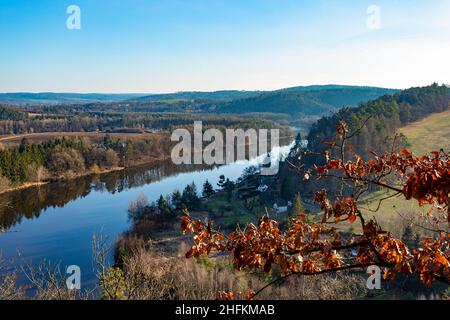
<point x="24" y="186"/>
<point x="146" y="160"/>
<point x="240" y="200"/>
<point x="95" y="171"/>
<point x="56" y="222"/>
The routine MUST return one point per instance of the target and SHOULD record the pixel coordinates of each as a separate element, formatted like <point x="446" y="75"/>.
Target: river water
<point x="56" y="223"/>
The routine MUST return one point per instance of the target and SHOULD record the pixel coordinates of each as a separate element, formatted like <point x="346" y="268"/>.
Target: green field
<point x="429" y="134"/>
<point x="395" y="213"/>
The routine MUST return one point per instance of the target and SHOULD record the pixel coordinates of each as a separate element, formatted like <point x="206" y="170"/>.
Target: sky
<point x="156" y="46"/>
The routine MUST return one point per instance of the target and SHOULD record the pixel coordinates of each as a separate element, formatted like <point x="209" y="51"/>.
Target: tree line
<point x="66" y="158"/>
<point x="64" y="119"/>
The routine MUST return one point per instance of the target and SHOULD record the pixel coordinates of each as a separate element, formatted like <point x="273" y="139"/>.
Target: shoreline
<point x="24" y="186"/>
<point x="27" y="185"/>
<point x="151" y="161"/>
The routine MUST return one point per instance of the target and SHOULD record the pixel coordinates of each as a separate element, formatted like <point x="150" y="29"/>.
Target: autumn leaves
<point x="310" y="248"/>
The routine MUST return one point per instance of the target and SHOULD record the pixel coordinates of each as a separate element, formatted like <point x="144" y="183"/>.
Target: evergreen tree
<point x="229" y="187"/>
<point x="288" y="187"/>
<point x="23" y="145"/>
<point x="190" y="198"/>
<point x="164" y="207"/>
<point x="249" y="173"/>
<point x="177" y="200"/>
<point x="207" y="189"/>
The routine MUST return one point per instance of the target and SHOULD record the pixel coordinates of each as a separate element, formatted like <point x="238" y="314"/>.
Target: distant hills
<point x="223" y="95"/>
<point x="311" y="100"/>
<point x="304" y="99"/>
<point x="51" y="98"/>
<point x="297" y="106"/>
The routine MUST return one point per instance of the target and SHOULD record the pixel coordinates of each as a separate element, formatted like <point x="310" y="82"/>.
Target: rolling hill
<point x="381" y="118"/>
<point x="307" y="101"/>
<point x="296" y="101"/>
<point x="223" y="95"/>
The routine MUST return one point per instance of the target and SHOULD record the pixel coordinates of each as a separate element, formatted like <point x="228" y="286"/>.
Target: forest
<point x="377" y="124"/>
<point x="63" y="158"/>
<point x="165" y="111"/>
<point x="377" y="121"/>
<point x="18" y="122"/>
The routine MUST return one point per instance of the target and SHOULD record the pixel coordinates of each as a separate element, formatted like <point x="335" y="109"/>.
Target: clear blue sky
<point x="180" y="45"/>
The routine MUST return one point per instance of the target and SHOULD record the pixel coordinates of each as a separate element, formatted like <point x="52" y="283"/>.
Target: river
<point x="56" y="223"/>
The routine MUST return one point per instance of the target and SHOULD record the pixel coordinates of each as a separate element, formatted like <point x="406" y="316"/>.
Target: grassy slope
<point x="394" y="213"/>
<point x="429" y="134"/>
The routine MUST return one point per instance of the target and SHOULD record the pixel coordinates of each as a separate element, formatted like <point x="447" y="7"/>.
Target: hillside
<point x="380" y="119"/>
<point x="296" y="101"/>
<point x="223" y="95"/>
<point x="431" y="133"/>
<point x="313" y="100"/>
<point x="279" y="102"/>
<point x="336" y="87"/>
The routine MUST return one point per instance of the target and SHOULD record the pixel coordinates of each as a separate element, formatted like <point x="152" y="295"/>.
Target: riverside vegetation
<point x="150" y="258"/>
<point x="140" y="124"/>
<point x="65" y="158"/>
<point x="420" y="236"/>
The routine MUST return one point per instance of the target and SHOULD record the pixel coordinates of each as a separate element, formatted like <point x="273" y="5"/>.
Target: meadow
<point x="429" y="134"/>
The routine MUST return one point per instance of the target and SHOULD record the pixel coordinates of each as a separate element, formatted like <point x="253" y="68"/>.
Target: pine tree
<point x="417" y="241"/>
<point x="190" y="198"/>
<point x="23" y="145"/>
<point x="229" y="187"/>
<point x="207" y="189"/>
<point x="164" y="207"/>
<point x="177" y="200"/>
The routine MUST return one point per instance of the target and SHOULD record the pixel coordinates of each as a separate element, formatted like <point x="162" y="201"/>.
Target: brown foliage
<point x="306" y="248"/>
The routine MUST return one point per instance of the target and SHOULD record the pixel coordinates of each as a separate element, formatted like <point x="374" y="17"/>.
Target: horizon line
<point x="203" y="91"/>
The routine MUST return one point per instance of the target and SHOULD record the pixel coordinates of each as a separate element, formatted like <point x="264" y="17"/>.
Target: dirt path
<point x="19" y="136"/>
<point x="10" y="140"/>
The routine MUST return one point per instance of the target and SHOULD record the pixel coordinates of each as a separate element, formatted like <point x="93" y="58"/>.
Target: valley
<point x="223" y="159"/>
<point x="130" y="192"/>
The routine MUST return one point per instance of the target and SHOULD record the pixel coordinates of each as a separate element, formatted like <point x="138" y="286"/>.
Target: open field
<point x="429" y="134"/>
<point x="395" y="213"/>
<point x="392" y="213"/>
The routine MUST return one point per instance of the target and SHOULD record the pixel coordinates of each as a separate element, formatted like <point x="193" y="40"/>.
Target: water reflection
<point x="56" y="222"/>
<point x="30" y="203"/>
